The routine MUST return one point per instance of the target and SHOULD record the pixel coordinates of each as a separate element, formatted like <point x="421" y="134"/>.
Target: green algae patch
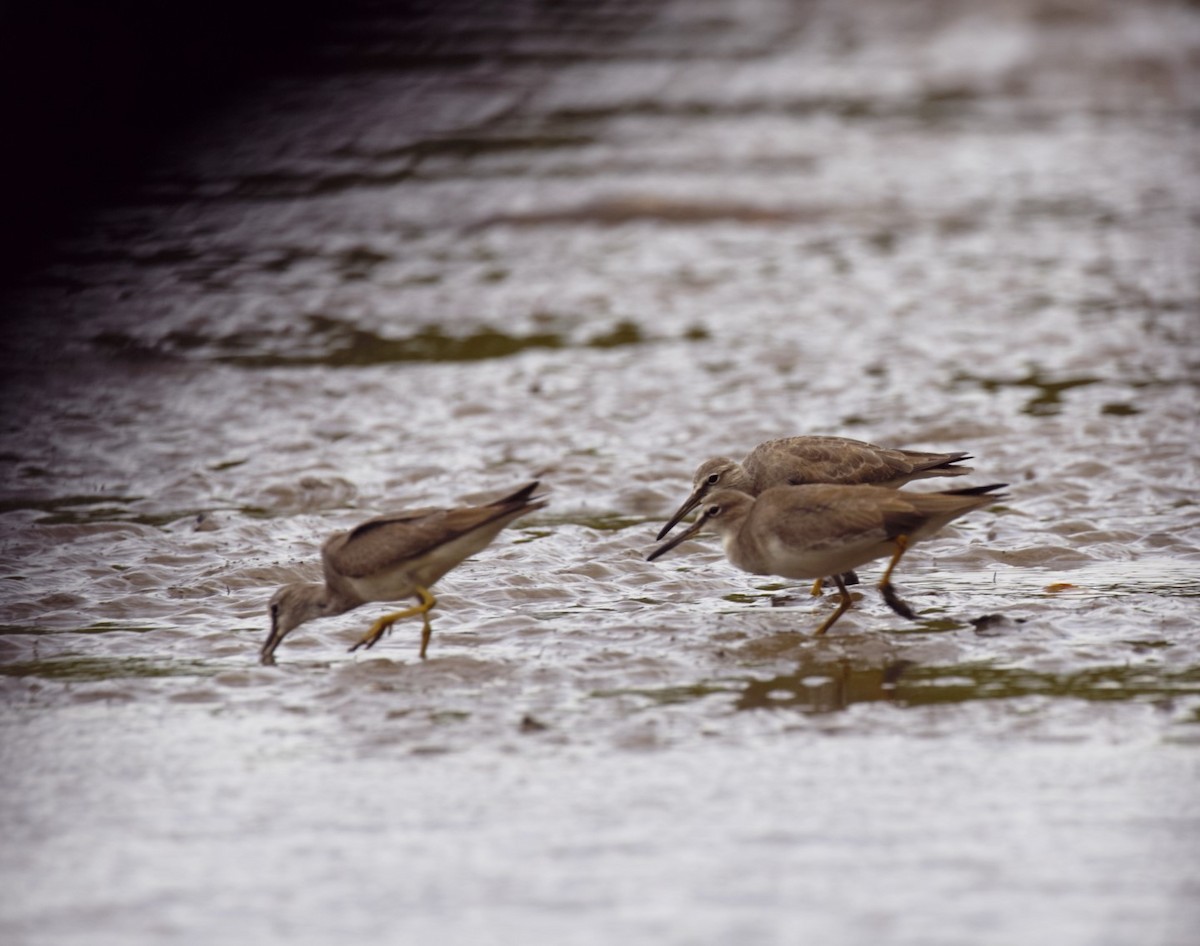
<point x="1046" y="393"/>
<point x="344" y="346"/>
<point x="334" y="343"/>
<point x="93" y="669"/>
<point x="829" y="686"/>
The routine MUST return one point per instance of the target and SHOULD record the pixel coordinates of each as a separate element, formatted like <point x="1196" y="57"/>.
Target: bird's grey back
<point x="382" y="543"/>
<point x="801" y="460"/>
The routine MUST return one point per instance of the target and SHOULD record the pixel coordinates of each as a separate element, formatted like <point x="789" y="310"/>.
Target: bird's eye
<point x="714" y="479"/>
<point x="713" y="511"/>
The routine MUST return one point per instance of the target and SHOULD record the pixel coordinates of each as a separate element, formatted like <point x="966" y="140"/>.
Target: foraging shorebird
<point x="793" y="461"/>
<point x="817" y="530"/>
<point x="399" y="555"/>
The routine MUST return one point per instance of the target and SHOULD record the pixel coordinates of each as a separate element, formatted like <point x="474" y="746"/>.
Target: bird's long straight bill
<point x="688" y="505"/>
<point x="679" y="539"/>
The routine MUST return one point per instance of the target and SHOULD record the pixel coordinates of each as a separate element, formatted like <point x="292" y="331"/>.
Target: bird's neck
<point x="741" y="478"/>
<point x="329" y="602"/>
<point x="743" y="551"/>
<point x="315" y="600"/>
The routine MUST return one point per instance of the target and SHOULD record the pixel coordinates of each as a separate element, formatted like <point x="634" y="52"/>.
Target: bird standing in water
<point x="795" y="461"/>
<point x="391" y="557"/>
<point x="816" y="530"/>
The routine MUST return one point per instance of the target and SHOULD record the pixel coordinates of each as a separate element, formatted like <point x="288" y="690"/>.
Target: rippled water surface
<point x="594" y="245"/>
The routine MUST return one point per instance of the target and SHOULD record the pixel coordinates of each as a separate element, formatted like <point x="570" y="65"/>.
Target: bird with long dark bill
<point x="812" y="531"/>
<point x="796" y="461"/>
<point x="396" y="556"/>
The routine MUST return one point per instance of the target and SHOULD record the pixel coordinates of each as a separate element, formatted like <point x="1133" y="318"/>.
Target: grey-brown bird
<point x="817" y="530"/>
<point x="396" y="556"/>
<point x="795" y="461"/>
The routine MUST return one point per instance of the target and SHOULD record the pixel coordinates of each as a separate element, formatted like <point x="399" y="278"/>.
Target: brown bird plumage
<point x="817" y="530"/>
<point x="794" y="461"/>
<point x="392" y="557"/>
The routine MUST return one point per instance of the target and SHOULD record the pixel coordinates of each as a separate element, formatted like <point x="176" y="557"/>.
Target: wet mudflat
<point x="595" y="247"/>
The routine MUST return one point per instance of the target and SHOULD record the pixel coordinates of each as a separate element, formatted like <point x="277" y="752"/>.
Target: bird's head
<point x="717" y="473"/>
<point x="290" y="607"/>
<point x="722" y="512"/>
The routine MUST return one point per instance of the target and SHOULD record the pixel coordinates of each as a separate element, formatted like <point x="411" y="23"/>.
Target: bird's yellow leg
<point x="885" y="583"/>
<point x="817" y="586"/>
<point x="842" y="608"/>
<point x="901" y="547"/>
<point x="426" y="633"/>
<point x="385" y="622"/>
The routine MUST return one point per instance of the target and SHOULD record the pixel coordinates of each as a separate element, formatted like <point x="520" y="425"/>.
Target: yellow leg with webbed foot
<point x="842" y="608"/>
<point x="384" y="623"/>
<point x="817" y="586"/>
<point x="426" y="633"/>
<point x="885" y="583"/>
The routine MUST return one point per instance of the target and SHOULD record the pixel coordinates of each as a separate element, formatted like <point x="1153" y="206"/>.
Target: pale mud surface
<point x="596" y="246"/>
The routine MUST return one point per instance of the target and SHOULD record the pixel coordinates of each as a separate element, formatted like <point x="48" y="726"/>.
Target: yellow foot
<point x="426" y="633"/>
<point x="885" y="583"/>
<point x="376" y="631"/>
<point x="842" y="608"/>
<point x="894" y="602"/>
<point x="817" y="586"/>
<point x="384" y="623"/>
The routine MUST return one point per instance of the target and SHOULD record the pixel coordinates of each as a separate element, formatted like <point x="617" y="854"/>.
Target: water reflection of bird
<point x="817" y="530"/>
<point x="793" y="461"/>
<point x="396" y="556"/>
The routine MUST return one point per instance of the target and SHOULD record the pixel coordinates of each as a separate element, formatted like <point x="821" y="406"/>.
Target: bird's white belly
<point x="787" y="560"/>
<point x="390" y="585"/>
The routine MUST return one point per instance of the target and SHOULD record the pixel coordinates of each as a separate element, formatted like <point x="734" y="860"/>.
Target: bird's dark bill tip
<point x="676" y="540"/>
<point x="267" y="656"/>
<point x="694" y="500"/>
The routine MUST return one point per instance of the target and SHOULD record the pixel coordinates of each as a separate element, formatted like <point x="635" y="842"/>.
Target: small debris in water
<point x="531" y="724"/>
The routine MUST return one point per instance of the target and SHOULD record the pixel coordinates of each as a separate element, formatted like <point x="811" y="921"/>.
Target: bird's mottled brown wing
<point x="900" y="516"/>
<point x="379" y="544"/>
<point x="799" y="460"/>
<point x="937" y="509"/>
<point x="840" y="512"/>
<point x="937" y="464"/>
<point x="830" y="513"/>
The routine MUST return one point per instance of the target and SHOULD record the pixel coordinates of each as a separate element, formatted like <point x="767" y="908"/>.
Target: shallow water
<point x="641" y="236"/>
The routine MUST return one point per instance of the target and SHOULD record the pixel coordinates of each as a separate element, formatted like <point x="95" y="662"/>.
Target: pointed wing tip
<point x="989" y="491"/>
<point x="523" y="495"/>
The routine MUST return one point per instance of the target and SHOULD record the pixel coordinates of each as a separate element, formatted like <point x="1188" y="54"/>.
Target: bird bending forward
<point x="395" y="556"/>
<point x="812" y="531"/>
<point x="796" y="461"/>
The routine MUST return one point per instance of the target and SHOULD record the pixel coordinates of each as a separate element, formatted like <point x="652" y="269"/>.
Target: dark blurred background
<point x="90" y="92"/>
